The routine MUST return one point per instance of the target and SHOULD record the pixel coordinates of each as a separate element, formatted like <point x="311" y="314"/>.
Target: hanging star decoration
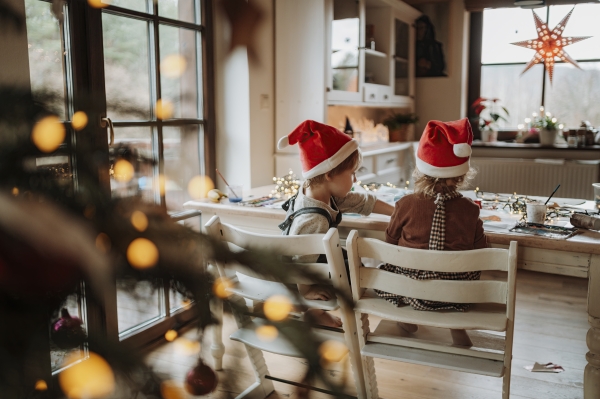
<point x="550" y="44"/>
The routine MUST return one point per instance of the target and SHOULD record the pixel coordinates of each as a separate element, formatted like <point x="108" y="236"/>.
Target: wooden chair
<point x="257" y="289"/>
<point x="493" y="309"/>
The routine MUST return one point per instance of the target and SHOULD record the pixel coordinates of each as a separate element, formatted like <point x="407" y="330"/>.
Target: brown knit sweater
<point x="410" y="224"/>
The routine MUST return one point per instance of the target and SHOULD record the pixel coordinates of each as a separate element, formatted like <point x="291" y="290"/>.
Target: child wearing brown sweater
<point x="437" y="216"/>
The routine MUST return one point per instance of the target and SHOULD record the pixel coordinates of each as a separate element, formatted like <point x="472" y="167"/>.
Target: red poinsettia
<point x="494" y="112"/>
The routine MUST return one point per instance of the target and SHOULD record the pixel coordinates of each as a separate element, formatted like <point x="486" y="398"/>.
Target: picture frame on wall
<point x="432" y="38"/>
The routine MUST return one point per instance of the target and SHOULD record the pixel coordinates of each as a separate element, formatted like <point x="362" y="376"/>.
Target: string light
<point x="286" y="186"/>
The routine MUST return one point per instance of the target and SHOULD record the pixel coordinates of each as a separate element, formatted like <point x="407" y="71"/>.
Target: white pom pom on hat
<point x="462" y="150"/>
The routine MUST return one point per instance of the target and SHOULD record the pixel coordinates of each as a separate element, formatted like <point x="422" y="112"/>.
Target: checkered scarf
<point x="437" y="239"/>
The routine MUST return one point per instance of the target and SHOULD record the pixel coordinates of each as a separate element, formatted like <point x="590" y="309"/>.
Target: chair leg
<point x="368" y="365"/>
<point x="217" y="349"/>
<point x="351" y="339"/>
<point x="262" y="387"/>
<point x="506" y="382"/>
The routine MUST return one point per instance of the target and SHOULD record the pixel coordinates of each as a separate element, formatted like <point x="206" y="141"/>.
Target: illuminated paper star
<point x="550" y="44"/>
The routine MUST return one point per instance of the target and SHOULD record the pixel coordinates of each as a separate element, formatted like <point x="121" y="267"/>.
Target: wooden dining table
<point x="578" y="255"/>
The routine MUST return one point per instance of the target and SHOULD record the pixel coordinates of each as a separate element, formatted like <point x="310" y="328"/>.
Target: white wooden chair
<point x="493" y="309"/>
<point x="258" y="289"/>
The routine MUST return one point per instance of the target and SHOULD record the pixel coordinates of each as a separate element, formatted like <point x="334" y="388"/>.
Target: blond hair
<point x="431" y="185"/>
<point x="352" y="162"/>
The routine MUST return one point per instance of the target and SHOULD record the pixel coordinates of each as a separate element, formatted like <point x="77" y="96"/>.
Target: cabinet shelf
<point x="375" y="53"/>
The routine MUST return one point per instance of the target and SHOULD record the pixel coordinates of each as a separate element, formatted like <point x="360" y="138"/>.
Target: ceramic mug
<point x="536" y="212"/>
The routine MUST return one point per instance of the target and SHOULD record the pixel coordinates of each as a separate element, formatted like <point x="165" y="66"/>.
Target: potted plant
<point x="398" y="125"/>
<point x="489" y="112"/>
<point x="548" y="128"/>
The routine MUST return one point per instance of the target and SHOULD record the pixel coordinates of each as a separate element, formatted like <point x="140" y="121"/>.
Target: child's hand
<point x="317" y="292"/>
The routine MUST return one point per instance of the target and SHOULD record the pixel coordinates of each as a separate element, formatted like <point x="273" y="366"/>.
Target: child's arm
<point x="383" y="208"/>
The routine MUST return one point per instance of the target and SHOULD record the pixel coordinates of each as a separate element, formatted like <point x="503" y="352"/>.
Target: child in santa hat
<point x="437" y="216"/>
<point x="329" y="160"/>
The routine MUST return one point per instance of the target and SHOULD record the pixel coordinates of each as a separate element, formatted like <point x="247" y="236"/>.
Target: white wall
<point x="444" y="98"/>
<point x="244" y="105"/>
<point x="14" y="62"/>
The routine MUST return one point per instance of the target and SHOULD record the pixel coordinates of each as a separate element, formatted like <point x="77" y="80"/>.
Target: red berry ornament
<point x="200" y="380"/>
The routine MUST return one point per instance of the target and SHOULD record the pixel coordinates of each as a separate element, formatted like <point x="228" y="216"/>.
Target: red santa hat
<point x="445" y="148"/>
<point x="322" y="147"/>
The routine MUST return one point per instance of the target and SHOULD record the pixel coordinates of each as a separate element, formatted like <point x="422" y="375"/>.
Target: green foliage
<point x="546" y="121"/>
<point x="397" y="120"/>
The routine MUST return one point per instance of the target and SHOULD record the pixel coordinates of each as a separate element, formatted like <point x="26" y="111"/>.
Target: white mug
<point x="536" y="212"/>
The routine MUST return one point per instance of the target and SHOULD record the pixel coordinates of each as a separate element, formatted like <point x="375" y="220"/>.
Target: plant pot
<point x="489" y="136"/>
<point x="547" y="137"/>
<point x="401" y="134"/>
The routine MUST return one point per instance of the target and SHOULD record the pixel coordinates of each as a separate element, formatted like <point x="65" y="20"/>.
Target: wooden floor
<point x="550" y="326"/>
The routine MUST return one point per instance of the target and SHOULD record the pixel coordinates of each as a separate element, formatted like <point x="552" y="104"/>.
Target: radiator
<point x="536" y="177"/>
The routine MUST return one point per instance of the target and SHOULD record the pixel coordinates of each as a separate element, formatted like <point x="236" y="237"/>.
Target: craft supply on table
<point x="543" y="230"/>
<point x="234" y="194"/>
<point x="261" y="201"/>
<point x="553" y="192"/>
<point x="585" y="221"/>
<point x="536" y="212"/>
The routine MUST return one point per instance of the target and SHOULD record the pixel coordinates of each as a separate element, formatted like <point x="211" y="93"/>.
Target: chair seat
<point x="261" y="290"/>
<point x="279" y="345"/>
<point x="478" y="317"/>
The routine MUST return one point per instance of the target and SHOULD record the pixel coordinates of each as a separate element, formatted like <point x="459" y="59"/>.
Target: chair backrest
<point x="455" y="291"/>
<point x="288" y="246"/>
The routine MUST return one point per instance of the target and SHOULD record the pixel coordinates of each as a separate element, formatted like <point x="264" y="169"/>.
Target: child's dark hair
<point x="352" y="162"/>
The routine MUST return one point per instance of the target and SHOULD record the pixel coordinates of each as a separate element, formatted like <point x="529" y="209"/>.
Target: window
<point x="573" y="94"/>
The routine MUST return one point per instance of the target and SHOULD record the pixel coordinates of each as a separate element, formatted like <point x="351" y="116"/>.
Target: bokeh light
<point x="171" y="335"/>
<point x="277" y="307"/>
<point x="199" y="186"/>
<point x="142" y="253"/>
<point x="267" y="333"/>
<point x="98" y="3"/>
<point x="139" y="221"/>
<point x="173" y="66"/>
<point x="88" y="379"/>
<point x="164" y="109"/>
<point x="187" y="347"/>
<point x="221" y="286"/>
<point x="172" y="390"/>
<point x="79" y="120"/>
<point x="162" y="183"/>
<point x="40" y="385"/>
<point x="332" y="351"/>
<point x="123" y="170"/>
<point x="15" y="191"/>
<point x="103" y="242"/>
<point x="48" y="134"/>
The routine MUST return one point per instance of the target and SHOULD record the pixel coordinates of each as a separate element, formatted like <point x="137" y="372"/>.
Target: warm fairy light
<point x="267" y="333"/>
<point x="171" y="335"/>
<point x="142" y="253"/>
<point x="186" y="303"/>
<point x="287" y="185"/>
<point x="87" y="379"/>
<point x="164" y="109"/>
<point x="79" y="120"/>
<point x="542" y="108"/>
<point x="15" y="191"/>
<point x="123" y="170"/>
<point x="172" y="390"/>
<point x="548" y="114"/>
<point x="332" y="351"/>
<point x="520" y="126"/>
<point x="534" y="114"/>
<point x="221" y="287"/>
<point x="554" y="120"/>
<point x="527" y="120"/>
<point x="561" y="126"/>
<point x="199" y="186"/>
<point x="162" y="184"/>
<point x="173" y="66"/>
<point x="277" y="307"/>
<point x="139" y="221"/>
<point x="187" y="347"/>
<point x="40" y="385"/>
<point x="103" y="242"/>
<point x="48" y="134"/>
<point x="98" y="3"/>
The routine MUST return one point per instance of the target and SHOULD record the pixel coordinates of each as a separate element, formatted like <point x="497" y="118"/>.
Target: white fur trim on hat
<point x="447" y="172"/>
<point x="283" y="142"/>
<point x="462" y="150"/>
<point x="330" y="163"/>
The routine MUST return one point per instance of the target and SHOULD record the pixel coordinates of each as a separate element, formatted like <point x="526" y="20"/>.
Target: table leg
<point x="591" y="376"/>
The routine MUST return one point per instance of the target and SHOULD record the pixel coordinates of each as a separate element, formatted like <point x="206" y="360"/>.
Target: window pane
<point x="126" y="64"/>
<point x="45" y="54"/>
<point x="182" y="162"/>
<point x="177" y="9"/>
<point x="503" y="26"/>
<point x="520" y="94"/>
<point x="181" y="89"/>
<point x="139" y="143"/>
<point x="74" y="304"/>
<point x="583" y="22"/>
<point x="574" y="94"/>
<point x="138" y="305"/>
<point x="137" y="5"/>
